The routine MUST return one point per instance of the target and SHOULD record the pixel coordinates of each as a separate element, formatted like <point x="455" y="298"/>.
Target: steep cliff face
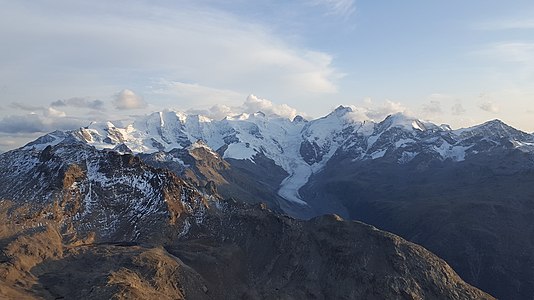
<point x="265" y="256"/>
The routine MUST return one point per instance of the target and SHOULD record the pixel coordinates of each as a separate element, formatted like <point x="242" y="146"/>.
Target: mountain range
<point x="82" y="223"/>
<point x="463" y="194"/>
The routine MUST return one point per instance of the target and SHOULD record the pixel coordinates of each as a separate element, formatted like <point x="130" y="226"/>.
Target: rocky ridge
<point x="156" y="236"/>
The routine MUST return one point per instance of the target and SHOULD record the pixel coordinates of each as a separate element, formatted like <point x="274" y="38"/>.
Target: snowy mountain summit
<point x="300" y="147"/>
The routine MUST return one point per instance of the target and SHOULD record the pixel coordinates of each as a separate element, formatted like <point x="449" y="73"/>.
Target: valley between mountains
<point x="182" y="206"/>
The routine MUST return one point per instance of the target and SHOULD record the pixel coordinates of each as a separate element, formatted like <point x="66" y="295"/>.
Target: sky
<point x="67" y="63"/>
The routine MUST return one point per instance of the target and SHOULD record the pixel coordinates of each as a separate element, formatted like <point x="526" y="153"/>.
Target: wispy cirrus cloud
<point x="209" y="55"/>
<point x="107" y="44"/>
<point x="337" y="7"/>
<point x="515" y="51"/>
<point x="195" y="95"/>
<point x="506" y="24"/>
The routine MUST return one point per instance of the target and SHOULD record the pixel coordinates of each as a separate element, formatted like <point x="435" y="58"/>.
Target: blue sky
<point x="66" y="63"/>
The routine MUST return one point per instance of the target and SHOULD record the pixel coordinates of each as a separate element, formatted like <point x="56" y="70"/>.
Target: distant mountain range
<point x="464" y="194"/>
<point x="300" y="147"/>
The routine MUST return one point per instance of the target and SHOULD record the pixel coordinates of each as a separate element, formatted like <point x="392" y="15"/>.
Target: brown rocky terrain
<point x="38" y="262"/>
<point x="239" y="252"/>
<point x="251" y="182"/>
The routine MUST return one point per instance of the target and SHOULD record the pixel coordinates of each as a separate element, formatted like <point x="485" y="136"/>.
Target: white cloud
<point x="378" y="113"/>
<point x="254" y="104"/>
<point x="127" y="99"/>
<point x="216" y="112"/>
<point x="251" y="105"/>
<point x="54" y="113"/>
<point x="489" y="107"/>
<point x="521" y="52"/>
<point x="46" y="111"/>
<point x="108" y="45"/>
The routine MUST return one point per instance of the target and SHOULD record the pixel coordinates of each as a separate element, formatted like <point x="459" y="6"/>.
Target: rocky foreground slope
<point x="83" y="223"/>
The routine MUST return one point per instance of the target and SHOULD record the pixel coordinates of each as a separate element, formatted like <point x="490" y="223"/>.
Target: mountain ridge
<point x="395" y="174"/>
<point x="155" y="236"/>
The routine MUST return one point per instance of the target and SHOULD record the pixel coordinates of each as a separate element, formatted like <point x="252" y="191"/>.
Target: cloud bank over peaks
<point x="251" y="105"/>
<point x="254" y="104"/>
<point x="371" y="111"/>
<point x="379" y="112"/>
<point x="23" y="119"/>
<point x="35" y="123"/>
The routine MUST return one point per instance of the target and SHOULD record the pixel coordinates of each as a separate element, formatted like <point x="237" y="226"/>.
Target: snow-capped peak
<point x="340" y="111"/>
<point x="299" y="119"/>
<point x="402" y="120"/>
<point x="493" y="129"/>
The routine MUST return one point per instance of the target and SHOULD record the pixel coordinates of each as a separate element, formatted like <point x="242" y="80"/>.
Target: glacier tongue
<point x="289" y="188"/>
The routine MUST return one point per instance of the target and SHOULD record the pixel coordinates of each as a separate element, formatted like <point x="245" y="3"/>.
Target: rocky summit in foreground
<point x="82" y="223"/>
